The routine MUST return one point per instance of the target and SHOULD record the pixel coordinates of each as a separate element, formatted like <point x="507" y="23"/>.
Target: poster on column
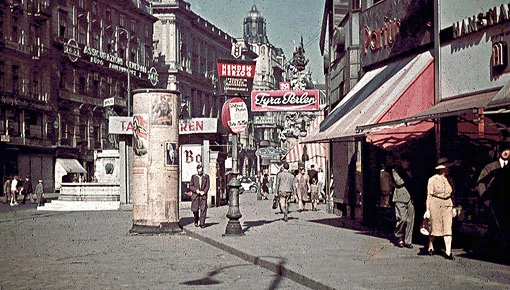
<point x="190" y="157"/>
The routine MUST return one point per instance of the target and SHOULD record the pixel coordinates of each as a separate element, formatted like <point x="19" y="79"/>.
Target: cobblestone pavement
<point x="314" y="249"/>
<point x="93" y="250"/>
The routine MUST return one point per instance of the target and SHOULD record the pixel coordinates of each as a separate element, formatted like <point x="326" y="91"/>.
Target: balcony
<point x="39" y="9"/>
<point x="18" y="47"/>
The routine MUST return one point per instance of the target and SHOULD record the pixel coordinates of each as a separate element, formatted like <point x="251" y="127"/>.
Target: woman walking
<point x="314" y="193"/>
<point x="439" y="207"/>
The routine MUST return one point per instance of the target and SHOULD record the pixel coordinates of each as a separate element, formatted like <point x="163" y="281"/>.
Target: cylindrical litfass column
<point x="155" y="162"/>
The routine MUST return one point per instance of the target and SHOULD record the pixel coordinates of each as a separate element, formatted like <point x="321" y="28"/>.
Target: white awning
<point x="71" y="165"/>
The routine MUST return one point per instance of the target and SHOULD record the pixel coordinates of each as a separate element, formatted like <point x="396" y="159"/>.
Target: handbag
<point x="425" y="227"/>
<point x="275" y="203"/>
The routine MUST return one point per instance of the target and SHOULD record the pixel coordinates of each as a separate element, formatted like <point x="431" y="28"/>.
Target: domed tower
<point x="255" y="27"/>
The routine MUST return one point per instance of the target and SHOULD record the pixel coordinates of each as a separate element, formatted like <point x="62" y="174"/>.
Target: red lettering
<point x="199" y="125"/>
<point x="130" y="126"/>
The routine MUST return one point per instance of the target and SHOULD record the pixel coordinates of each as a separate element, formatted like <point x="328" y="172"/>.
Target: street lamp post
<point x="125" y="143"/>
<point x="127" y="65"/>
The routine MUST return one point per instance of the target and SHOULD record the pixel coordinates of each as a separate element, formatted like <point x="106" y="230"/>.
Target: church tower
<point x="255" y="27"/>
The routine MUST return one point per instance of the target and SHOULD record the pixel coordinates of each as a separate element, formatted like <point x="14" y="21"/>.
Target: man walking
<point x="14" y="191"/>
<point x="404" y="207"/>
<point x="284" y="188"/>
<point x="493" y="184"/>
<point x="7" y="189"/>
<point x="199" y="187"/>
<point x="27" y="190"/>
<point x="39" y="192"/>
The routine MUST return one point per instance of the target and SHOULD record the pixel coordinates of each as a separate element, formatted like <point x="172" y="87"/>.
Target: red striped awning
<point x="317" y="152"/>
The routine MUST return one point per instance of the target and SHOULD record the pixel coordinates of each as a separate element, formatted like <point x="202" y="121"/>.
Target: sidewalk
<point x="316" y="249"/>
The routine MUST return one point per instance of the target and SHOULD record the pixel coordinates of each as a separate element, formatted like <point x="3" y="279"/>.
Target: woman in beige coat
<point x="439" y="207"/>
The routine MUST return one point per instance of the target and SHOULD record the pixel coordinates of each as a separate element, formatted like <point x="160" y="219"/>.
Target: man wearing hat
<point x="284" y="188"/>
<point x="493" y="184"/>
<point x="403" y="199"/>
<point x="199" y="187"/>
<point x="39" y="191"/>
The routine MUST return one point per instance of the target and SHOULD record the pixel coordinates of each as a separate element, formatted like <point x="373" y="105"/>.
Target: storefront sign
<point x="72" y="49"/>
<point x="111" y="61"/>
<point x="234" y="115"/>
<point x="120" y="125"/>
<point x="264" y="101"/>
<point x="235" y="76"/>
<point x="482" y="20"/>
<point x="392" y="28"/>
<point x="198" y="125"/>
<point x="264" y="120"/>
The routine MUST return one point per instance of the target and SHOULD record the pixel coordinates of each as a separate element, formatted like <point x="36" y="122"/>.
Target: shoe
<point x="196" y="224"/>
<point x="409" y="246"/>
<point x="400" y="243"/>
<point x="202" y="226"/>
<point x="450" y="257"/>
<point x="431" y="252"/>
<point x="285" y="218"/>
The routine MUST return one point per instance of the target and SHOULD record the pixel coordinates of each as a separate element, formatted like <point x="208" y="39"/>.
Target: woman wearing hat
<point x="439" y="207"/>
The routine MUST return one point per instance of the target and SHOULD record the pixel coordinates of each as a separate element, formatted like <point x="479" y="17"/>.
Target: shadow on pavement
<point x="185" y="221"/>
<point x="247" y="225"/>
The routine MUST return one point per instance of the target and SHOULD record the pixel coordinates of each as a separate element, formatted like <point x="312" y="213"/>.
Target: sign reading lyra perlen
<point x="235" y="76"/>
<point x="306" y="100"/>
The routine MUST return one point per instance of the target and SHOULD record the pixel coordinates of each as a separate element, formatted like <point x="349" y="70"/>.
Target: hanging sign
<point x="235" y="76"/>
<point x="234" y="115"/>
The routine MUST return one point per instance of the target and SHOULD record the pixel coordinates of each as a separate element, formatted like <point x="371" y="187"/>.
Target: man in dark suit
<point x="199" y="187"/>
<point x="493" y="184"/>
<point x="312" y="173"/>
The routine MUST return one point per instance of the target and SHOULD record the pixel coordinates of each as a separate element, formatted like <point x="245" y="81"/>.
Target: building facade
<point x="60" y="61"/>
<point x="433" y="82"/>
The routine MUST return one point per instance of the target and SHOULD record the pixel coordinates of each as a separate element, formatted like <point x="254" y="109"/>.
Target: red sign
<point x="264" y="101"/>
<point x="235" y="76"/>
<point x="284" y="86"/>
<point x="234" y="115"/>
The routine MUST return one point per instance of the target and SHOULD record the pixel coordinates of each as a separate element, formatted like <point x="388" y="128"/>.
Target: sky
<point x="286" y="22"/>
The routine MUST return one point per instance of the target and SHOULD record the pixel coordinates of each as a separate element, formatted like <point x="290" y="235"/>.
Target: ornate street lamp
<point x="116" y="34"/>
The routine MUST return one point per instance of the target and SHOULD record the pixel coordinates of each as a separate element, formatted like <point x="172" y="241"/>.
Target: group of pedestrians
<point x="13" y="187"/>
<point x="303" y="188"/>
<point x="492" y="184"/>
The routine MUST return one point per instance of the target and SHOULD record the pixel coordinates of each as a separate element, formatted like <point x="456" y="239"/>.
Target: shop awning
<point x="390" y="93"/>
<point x="448" y="108"/>
<point x="317" y="153"/>
<point x="71" y="165"/>
<point x="500" y="100"/>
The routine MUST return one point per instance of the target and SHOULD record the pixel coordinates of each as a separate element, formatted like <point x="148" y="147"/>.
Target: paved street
<point x="314" y="249"/>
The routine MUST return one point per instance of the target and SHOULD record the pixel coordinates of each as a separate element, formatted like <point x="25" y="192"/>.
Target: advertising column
<point x="155" y="162"/>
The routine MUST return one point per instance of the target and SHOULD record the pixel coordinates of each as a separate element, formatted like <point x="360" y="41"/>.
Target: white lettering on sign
<point x="290" y="98"/>
<point x="108" y="102"/>
<point x="237" y="70"/>
<point x="493" y="16"/>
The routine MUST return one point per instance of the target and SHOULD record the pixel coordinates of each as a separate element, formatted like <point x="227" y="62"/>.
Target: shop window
<point x="146" y="32"/>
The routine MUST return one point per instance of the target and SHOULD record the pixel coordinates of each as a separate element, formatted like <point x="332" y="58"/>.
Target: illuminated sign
<point x="306" y="100"/>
